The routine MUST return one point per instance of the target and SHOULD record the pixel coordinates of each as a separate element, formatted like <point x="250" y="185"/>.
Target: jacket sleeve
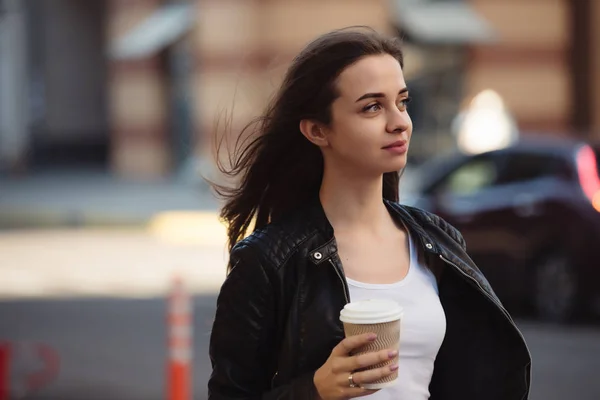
<point x="242" y="338"/>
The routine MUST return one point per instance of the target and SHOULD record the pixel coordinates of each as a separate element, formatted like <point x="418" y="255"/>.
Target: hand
<point x="332" y="379"/>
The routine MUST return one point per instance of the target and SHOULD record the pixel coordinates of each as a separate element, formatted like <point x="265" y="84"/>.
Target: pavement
<point x="118" y="263"/>
<point x="89" y="234"/>
<point x="116" y="349"/>
<point x="95" y="198"/>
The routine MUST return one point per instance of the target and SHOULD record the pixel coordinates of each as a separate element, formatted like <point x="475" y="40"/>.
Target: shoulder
<point x="426" y="218"/>
<point x="275" y="243"/>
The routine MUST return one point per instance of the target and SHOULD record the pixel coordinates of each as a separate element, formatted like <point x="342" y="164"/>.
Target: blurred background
<point x="108" y="113"/>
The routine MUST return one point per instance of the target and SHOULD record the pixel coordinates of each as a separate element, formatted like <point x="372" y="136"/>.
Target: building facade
<point x="239" y="50"/>
<point x="141" y="87"/>
<point x="545" y="64"/>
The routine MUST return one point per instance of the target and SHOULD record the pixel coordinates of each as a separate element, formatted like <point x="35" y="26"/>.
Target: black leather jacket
<point x="278" y="313"/>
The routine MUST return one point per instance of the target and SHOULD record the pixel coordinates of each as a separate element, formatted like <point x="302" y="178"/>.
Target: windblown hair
<point x="277" y="169"/>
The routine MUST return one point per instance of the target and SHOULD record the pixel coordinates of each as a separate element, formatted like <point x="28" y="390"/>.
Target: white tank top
<point x="422" y="329"/>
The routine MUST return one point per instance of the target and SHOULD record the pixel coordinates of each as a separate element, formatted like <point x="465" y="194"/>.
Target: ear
<point x="314" y="132"/>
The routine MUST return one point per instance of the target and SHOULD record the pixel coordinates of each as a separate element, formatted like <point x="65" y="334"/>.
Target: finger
<point x="352" y="393"/>
<point x="360" y="392"/>
<point x="348" y="392"/>
<point x="372" y="375"/>
<point x="352" y="342"/>
<point x="368" y="359"/>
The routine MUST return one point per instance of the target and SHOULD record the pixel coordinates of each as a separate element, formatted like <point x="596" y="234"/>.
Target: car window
<point x="471" y="177"/>
<point x="522" y="167"/>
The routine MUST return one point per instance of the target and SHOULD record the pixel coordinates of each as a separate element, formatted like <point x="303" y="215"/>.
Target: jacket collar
<point x="428" y="244"/>
<point x="328" y="246"/>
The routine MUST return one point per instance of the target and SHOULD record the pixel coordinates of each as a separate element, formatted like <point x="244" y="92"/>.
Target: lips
<point x="398" y="143"/>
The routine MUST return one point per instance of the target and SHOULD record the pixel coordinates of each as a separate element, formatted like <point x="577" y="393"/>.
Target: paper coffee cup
<point x="381" y="317"/>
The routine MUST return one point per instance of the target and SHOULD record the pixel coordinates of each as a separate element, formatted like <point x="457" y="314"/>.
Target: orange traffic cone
<point x="180" y="342"/>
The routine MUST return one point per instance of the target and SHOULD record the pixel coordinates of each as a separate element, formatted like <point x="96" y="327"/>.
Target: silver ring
<point x="351" y="381"/>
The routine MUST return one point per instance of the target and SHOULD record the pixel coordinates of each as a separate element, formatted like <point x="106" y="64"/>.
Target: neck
<point x="351" y="201"/>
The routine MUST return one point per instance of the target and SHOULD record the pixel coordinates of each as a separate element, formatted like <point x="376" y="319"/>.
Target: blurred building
<point x="53" y="92"/>
<point x="139" y="87"/>
<point x="546" y="63"/>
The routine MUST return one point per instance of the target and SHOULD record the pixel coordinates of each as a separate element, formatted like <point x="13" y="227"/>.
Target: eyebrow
<point x="377" y="95"/>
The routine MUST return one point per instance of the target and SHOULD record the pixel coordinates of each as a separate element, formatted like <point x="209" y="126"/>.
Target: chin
<point x="396" y="166"/>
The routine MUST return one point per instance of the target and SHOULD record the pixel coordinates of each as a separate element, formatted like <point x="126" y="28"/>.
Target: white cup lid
<point x="372" y="311"/>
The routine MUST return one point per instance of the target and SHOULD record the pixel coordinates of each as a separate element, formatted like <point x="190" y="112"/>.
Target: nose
<point x="398" y="121"/>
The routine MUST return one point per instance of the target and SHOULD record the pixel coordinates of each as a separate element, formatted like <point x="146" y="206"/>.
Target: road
<point x="98" y="299"/>
<point x="115" y="349"/>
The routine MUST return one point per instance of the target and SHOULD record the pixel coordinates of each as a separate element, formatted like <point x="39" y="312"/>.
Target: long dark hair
<point x="277" y="169"/>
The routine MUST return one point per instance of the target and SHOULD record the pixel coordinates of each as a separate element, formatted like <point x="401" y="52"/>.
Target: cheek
<point x="357" y="135"/>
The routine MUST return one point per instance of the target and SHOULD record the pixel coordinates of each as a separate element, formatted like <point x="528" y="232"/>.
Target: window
<point x="475" y="175"/>
<point x="522" y="167"/>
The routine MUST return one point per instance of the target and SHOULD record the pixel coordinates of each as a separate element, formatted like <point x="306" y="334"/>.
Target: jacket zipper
<point x="344" y="283"/>
<point x="486" y="294"/>
<point x="273" y="379"/>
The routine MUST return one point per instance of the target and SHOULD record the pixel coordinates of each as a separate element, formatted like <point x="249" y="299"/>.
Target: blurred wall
<point x="529" y="66"/>
<point x="243" y="48"/>
<point x="545" y="66"/>
<point x="137" y="100"/>
<point x="65" y="79"/>
<point x="240" y="49"/>
<point x="13" y="87"/>
<point x="71" y="36"/>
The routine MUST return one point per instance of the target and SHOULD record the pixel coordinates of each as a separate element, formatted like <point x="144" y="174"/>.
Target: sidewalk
<point x="94" y="198"/>
<point x="78" y="263"/>
<point x="90" y="235"/>
<point x="156" y="230"/>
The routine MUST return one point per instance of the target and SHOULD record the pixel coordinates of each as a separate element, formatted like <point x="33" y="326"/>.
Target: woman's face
<point x="370" y="128"/>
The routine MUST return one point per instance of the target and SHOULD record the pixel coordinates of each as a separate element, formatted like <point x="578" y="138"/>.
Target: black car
<point x="530" y="215"/>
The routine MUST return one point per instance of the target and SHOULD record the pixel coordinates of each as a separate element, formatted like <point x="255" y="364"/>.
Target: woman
<point x="320" y="178"/>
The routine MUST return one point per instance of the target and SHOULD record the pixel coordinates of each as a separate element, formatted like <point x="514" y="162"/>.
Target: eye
<point x="404" y="103"/>
<point x="372" y="107"/>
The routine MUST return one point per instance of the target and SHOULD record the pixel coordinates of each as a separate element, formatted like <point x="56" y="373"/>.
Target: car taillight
<point x="587" y="169"/>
